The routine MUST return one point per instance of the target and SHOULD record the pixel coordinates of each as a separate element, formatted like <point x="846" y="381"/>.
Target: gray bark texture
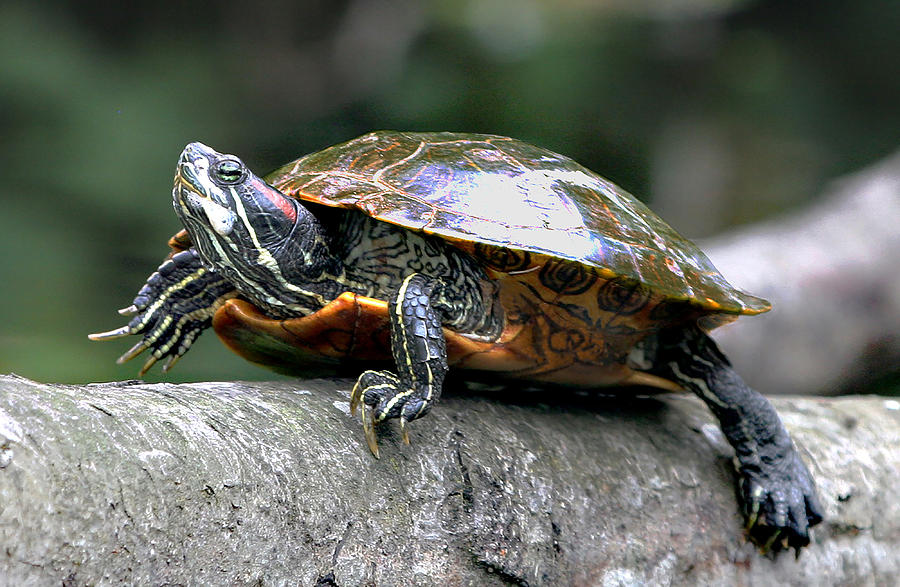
<point x="832" y="273"/>
<point x="272" y="484"/>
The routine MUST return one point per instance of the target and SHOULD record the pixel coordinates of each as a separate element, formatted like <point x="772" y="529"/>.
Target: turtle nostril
<point x="193" y="152"/>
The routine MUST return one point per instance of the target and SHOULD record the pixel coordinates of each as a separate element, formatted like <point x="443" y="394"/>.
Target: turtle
<point x="405" y="254"/>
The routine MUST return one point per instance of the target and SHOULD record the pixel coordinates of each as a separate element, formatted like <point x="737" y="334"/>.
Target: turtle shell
<point x="585" y="271"/>
<point x="503" y="194"/>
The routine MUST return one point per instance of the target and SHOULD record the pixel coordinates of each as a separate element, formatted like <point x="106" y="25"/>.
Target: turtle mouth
<point x="193" y="202"/>
<point x="188" y="185"/>
<point x="195" y="197"/>
<point x="204" y="209"/>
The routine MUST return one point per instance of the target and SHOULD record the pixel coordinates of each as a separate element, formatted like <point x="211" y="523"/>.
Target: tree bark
<point x="272" y="483"/>
<point x="832" y="273"/>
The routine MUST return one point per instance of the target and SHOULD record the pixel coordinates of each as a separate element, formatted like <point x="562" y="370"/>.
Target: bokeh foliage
<point x="717" y="111"/>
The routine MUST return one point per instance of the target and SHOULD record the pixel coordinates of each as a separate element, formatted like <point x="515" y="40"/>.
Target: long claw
<point x="129" y="311"/>
<point x="133" y="352"/>
<point x="369" y="429"/>
<point x="355" y="396"/>
<point x="771" y="541"/>
<point x="150" y="361"/>
<point x="170" y="363"/>
<point x="753" y="516"/>
<point x="117" y="333"/>
<point x="404" y="431"/>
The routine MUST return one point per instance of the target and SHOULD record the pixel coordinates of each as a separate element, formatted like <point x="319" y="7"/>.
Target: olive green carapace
<point x="505" y="193"/>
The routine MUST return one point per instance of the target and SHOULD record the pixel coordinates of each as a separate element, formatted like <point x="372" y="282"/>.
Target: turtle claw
<point x="170" y="363"/>
<point x="133" y="351"/>
<point x="151" y="360"/>
<point x="767" y="547"/>
<point x="780" y="505"/>
<point x="356" y="397"/>
<point x="171" y="310"/>
<point x="404" y="431"/>
<point x="111" y="334"/>
<point x="369" y="430"/>
<point x="383" y="395"/>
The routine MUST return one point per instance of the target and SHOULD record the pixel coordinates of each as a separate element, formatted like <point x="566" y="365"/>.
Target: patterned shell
<point x="504" y="193"/>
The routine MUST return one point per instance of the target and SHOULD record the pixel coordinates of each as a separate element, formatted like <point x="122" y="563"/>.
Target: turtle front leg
<point x="172" y="309"/>
<point x="777" y="492"/>
<point x="420" y="353"/>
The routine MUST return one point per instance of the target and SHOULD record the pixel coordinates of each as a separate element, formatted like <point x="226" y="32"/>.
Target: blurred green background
<point x="716" y="112"/>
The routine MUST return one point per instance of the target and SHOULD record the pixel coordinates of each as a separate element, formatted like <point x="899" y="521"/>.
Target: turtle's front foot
<point x="387" y="397"/>
<point x="172" y="309"/>
<point x="420" y="354"/>
<point x="780" y="503"/>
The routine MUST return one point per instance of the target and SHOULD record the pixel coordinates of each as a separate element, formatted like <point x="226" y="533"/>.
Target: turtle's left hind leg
<point x="172" y="309"/>
<point x="420" y="354"/>
<point x="777" y="491"/>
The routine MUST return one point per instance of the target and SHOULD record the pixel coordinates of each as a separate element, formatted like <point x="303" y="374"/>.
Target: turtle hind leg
<point x="777" y="492"/>
<point x="420" y="354"/>
<point x="171" y="310"/>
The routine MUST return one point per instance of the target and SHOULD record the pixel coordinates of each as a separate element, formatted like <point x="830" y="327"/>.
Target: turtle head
<point x="243" y="227"/>
<point x="218" y="197"/>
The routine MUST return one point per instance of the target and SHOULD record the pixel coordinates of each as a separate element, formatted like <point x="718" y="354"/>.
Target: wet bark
<point x="271" y="483"/>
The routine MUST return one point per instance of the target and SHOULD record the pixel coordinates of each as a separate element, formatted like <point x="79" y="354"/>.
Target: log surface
<point x="271" y="483"/>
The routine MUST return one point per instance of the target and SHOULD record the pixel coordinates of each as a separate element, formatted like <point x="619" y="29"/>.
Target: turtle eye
<point x="228" y="171"/>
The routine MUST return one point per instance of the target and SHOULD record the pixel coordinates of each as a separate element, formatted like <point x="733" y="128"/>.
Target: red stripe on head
<point x="278" y="199"/>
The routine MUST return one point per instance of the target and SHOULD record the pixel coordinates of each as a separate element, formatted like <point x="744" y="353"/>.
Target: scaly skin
<point x="420" y="353"/>
<point x="778" y="494"/>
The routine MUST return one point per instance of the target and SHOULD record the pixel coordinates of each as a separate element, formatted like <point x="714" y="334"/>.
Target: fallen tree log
<point x="272" y="483"/>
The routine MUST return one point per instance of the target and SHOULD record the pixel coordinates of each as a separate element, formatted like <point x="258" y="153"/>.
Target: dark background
<point x="716" y="112"/>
